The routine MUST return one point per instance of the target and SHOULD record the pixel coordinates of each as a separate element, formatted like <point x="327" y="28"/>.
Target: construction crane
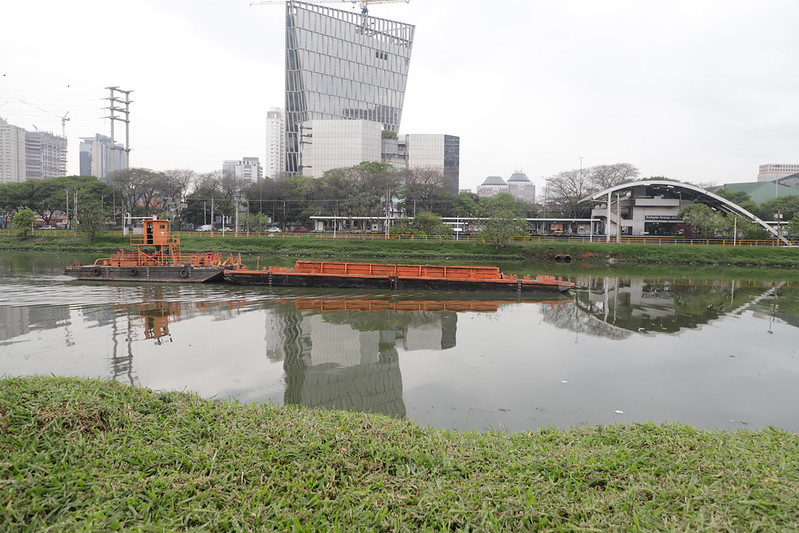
<point x="64" y="119"/>
<point x="364" y="4"/>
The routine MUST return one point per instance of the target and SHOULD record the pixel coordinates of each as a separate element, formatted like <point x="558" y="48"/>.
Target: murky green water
<point x="708" y="352"/>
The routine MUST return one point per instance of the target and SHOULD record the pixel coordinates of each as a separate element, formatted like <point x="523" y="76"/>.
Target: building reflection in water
<point x="349" y="359"/>
<point x="21" y="320"/>
<point x="615" y="307"/>
<point x="343" y="353"/>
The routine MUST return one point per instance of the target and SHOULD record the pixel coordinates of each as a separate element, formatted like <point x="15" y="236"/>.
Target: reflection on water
<point x="709" y="352"/>
<point x="616" y="306"/>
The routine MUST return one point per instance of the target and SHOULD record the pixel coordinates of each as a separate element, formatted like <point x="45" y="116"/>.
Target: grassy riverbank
<point x="597" y="254"/>
<point x="96" y="455"/>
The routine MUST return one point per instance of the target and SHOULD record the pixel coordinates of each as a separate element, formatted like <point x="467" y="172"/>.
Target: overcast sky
<point x="702" y="90"/>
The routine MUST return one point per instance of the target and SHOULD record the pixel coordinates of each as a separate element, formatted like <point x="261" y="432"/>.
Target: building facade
<point x="12" y="152"/>
<point x="339" y="144"/>
<point x="341" y="65"/>
<point x="520" y="186"/>
<point x="653" y="207"/>
<point x="248" y="169"/>
<point x="437" y="152"/>
<point x="275" y="142"/>
<point x="774" y="171"/>
<point x="30" y="155"/>
<point x="45" y="155"/>
<point x="99" y="157"/>
<point x="492" y="186"/>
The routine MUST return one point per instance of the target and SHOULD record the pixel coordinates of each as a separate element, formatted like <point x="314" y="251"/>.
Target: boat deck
<point x="339" y="274"/>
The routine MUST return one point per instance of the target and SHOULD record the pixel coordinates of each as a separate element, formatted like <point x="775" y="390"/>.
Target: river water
<point x="713" y="353"/>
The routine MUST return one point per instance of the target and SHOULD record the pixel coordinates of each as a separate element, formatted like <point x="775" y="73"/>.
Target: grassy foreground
<point x="97" y="455"/>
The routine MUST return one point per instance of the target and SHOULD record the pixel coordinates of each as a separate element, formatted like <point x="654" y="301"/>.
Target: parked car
<point x="274" y="229"/>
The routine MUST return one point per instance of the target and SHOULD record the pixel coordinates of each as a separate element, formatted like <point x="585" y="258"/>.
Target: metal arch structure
<point x="707" y="197"/>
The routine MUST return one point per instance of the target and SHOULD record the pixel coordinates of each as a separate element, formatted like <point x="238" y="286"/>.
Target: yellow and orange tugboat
<point x="343" y="275"/>
<point x="156" y="257"/>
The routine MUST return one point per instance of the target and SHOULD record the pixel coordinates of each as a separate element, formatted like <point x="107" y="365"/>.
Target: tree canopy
<point x="566" y="189"/>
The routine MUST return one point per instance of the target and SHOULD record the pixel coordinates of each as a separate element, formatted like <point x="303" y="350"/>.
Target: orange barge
<point x="156" y="257"/>
<point x="345" y="275"/>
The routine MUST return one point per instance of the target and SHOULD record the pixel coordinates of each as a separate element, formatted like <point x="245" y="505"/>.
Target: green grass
<point x="99" y="456"/>
<point x="597" y="254"/>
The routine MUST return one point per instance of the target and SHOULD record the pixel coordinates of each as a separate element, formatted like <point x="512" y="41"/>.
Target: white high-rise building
<point x="30" y="155"/>
<point x="98" y="157"/>
<point x="275" y="141"/>
<point x="45" y="155"/>
<point x="248" y="169"/>
<point x="12" y="152"/>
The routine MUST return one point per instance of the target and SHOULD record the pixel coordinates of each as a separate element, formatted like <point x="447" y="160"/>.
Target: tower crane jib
<point x="363" y="4"/>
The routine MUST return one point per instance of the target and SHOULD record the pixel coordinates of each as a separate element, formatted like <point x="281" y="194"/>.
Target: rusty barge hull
<point x="244" y="277"/>
<point x="343" y="275"/>
<point x="146" y="274"/>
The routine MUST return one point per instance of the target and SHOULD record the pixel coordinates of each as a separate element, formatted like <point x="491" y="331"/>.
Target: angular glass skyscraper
<point x="342" y="65"/>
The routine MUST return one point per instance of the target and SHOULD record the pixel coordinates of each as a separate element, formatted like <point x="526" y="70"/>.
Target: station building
<point x="652" y="207"/>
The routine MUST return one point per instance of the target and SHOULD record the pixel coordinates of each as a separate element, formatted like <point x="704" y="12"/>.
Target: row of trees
<point x="785" y="206"/>
<point x="79" y="199"/>
<point x="366" y="190"/>
<point x="709" y="223"/>
<point x="363" y="190"/>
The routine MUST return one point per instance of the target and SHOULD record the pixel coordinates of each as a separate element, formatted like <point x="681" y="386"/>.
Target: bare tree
<point x="137" y="188"/>
<point x="566" y="189"/>
<point x="424" y="188"/>
<point x="176" y="184"/>
<point x="605" y="176"/>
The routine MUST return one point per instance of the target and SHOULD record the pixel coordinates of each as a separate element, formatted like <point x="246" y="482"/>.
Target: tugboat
<point x="156" y="257"/>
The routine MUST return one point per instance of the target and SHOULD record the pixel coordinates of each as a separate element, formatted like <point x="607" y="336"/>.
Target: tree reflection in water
<point x="613" y="307"/>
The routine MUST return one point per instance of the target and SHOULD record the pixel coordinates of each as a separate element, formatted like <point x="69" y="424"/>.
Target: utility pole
<point x="114" y="103"/>
<point x="388" y="211"/>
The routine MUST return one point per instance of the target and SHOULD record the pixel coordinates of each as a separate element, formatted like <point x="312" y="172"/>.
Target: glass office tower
<point x="342" y="65"/>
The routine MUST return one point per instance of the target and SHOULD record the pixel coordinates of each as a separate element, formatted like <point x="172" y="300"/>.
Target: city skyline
<point x="694" y="92"/>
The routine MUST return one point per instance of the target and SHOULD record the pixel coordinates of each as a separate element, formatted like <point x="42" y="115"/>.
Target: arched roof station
<point x="685" y="191"/>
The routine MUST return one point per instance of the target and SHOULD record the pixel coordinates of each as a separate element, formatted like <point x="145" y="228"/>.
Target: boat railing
<point x="418" y="271"/>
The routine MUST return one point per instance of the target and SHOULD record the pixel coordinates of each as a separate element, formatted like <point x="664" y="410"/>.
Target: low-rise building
<point x="492" y="186"/>
<point x="520" y="187"/>
<point x="773" y="171"/>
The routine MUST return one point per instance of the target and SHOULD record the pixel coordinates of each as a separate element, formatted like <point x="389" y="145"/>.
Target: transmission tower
<point x="115" y="102"/>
